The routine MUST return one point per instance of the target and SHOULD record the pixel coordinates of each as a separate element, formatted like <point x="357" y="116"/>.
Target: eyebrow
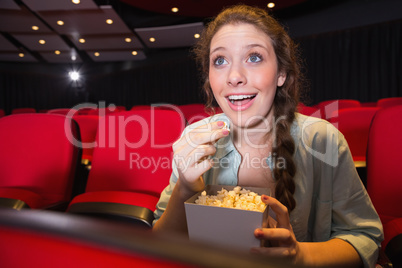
<point x="247" y="47"/>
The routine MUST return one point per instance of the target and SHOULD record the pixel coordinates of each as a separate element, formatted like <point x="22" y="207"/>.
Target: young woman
<point x="324" y="216"/>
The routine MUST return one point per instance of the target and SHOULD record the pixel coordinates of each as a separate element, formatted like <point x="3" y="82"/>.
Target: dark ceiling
<point x="126" y="39"/>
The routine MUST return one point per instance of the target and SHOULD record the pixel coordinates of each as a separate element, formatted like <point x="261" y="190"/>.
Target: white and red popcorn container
<point x="228" y="227"/>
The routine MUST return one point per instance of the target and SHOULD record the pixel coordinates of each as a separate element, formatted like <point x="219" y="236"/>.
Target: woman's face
<point x="243" y="74"/>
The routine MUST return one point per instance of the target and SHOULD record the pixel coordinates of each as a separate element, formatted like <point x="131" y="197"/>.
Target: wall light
<point x="109" y="21"/>
<point x="197" y="36"/>
<point x="42" y="42"/>
<point x="175" y="9"/>
<point x="134" y="53"/>
<point x="60" y="22"/>
<point x="271" y="5"/>
<point x="74" y="75"/>
<point x="35" y="28"/>
<point x="152" y="39"/>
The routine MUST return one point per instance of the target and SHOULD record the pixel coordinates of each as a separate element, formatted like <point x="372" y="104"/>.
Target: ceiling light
<point x="57" y="52"/>
<point x="96" y="54"/>
<point x="152" y="39"/>
<point x="74" y="75"/>
<point x="21" y="55"/>
<point x="128" y="40"/>
<point x="76" y="1"/>
<point x="81" y="40"/>
<point x="134" y="53"/>
<point x="60" y="22"/>
<point x="175" y="9"/>
<point x="109" y="21"/>
<point x="42" y="42"/>
<point x="197" y="35"/>
<point x="35" y="28"/>
<point x="271" y="5"/>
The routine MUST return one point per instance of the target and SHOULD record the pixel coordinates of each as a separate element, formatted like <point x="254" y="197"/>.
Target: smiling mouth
<point x="241" y="99"/>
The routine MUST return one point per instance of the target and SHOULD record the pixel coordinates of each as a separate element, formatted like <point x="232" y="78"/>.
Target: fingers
<point x="204" y="134"/>
<point x="282" y="213"/>
<point x="285" y="236"/>
<point x="191" y="151"/>
<point x="282" y="252"/>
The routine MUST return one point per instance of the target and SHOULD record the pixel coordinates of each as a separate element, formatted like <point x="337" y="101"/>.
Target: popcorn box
<point x="228" y="227"/>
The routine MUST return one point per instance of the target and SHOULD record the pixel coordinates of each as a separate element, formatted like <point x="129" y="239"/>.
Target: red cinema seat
<point x="38" y="160"/>
<point x="131" y="165"/>
<point x="63" y="111"/>
<point x="141" y="107"/>
<point x="369" y="104"/>
<point x="384" y="177"/>
<point x="49" y="239"/>
<point x="57" y="240"/>
<point x="23" y="111"/>
<point x="88" y="125"/>
<point x="193" y="112"/>
<point x="309" y="110"/>
<point x="354" y="124"/>
<point x="103" y="111"/>
<point x="389" y="102"/>
<point x="328" y="107"/>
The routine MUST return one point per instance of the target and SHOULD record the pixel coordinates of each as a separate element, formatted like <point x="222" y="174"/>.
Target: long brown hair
<point x="286" y="98"/>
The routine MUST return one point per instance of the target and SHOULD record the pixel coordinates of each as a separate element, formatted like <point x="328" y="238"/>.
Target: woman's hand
<point x="279" y="234"/>
<point x="191" y="153"/>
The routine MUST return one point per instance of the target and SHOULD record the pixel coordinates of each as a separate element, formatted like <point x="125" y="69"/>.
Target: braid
<point x="283" y="149"/>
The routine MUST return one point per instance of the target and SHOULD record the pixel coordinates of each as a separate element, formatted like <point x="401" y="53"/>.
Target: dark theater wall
<point x="360" y="59"/>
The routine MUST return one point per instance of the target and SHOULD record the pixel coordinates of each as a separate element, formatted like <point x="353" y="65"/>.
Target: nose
<point x="236" y="76"/>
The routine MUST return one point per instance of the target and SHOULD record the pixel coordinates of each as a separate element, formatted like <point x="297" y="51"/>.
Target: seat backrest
<point x="23" y="110"/>
<point x="354" y="124"/>
<point x="328" y="107"/>
<point x="194" y="112"/>
<point x="309" y="110"/>
<point x="36" y="154"/>
<point x="60" y="240"/>
<point x="384" y="176"/>
<point x="388" y="102"/>
<point x="134" y="151"/>
<point x="88" y="125"/>
<point x="62" y="111"/>
<point x="47" y="239"/>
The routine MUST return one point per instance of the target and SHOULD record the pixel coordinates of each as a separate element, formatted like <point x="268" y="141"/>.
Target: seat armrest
<point x="115" y="211"/>
<point x="13" y="203"/>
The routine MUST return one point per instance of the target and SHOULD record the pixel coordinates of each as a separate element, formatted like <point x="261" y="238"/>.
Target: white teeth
<point x="240" y="97"/>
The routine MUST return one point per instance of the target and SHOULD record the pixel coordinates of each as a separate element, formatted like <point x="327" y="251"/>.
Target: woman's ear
<point x="281" y="79"/>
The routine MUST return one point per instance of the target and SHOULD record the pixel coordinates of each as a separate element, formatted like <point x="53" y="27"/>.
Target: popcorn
<point x="237" y="198"/>
<point x="225" y="126"/>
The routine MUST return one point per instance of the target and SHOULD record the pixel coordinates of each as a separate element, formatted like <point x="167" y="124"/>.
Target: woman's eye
<point x="254" y="58"/>
<point x="220" y="61"/>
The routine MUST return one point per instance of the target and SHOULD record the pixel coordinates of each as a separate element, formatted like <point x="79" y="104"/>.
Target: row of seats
<point x="131" y="164"/>
<point x="326" y="107"/>
<point x="193" y="108"/>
